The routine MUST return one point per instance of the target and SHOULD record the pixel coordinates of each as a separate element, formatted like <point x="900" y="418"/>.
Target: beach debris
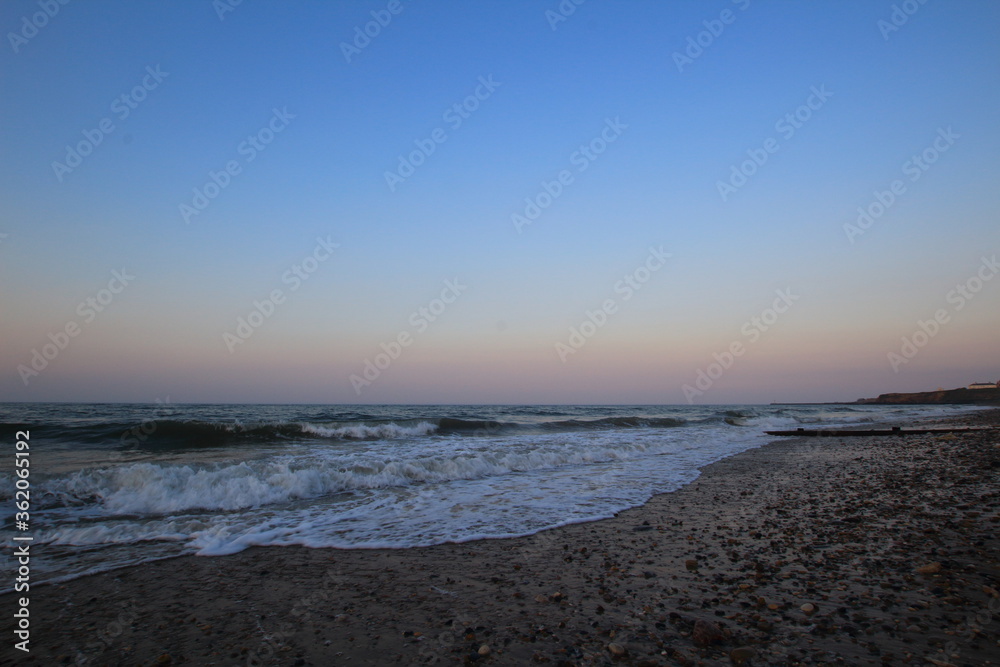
<point x="742" y="655"/>
<point x="617" y="650"/>
<point x="706" y="633"/>
<point x="930" y="568"/>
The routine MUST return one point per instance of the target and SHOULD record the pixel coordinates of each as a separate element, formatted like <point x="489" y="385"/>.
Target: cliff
<point x="961" y="396"/>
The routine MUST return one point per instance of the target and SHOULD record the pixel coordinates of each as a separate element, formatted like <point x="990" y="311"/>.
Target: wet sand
<point x="854" y="551"/>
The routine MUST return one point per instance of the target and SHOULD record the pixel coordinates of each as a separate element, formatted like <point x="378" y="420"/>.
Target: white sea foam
<point x="367" y="432"/>
<point x="163" y="489"/>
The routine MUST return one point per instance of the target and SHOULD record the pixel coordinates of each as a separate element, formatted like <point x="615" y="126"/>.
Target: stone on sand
<point x="706" y="633"/>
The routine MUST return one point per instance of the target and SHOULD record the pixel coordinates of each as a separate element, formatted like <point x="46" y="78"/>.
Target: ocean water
<point x="118" y="484"/>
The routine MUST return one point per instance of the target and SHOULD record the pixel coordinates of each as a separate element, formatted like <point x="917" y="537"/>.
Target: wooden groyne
<point x="895" y="430"/>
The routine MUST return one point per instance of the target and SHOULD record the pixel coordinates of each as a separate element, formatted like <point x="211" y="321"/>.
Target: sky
<point x="497" y="201"/>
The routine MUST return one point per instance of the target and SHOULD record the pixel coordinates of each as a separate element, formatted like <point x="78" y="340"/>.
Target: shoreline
<point x="724" y="563"/>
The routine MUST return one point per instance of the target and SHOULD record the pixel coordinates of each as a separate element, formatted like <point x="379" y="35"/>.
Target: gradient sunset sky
<point x="641" y="109"/>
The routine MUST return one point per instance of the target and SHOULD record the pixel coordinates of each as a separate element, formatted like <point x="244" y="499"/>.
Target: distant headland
<point x="978" y="393"/>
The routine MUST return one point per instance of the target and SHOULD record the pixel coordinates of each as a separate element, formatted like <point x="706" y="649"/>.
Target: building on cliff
<point x="985" y="385"/>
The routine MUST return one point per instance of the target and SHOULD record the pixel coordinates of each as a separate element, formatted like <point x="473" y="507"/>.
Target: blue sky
<point x="889" y="94"/>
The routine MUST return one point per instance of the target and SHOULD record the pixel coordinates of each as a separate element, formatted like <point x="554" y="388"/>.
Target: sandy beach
<point x="854" y="551"/>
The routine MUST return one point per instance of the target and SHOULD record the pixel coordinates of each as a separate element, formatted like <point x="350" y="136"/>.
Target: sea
<point x="113" y="485"/>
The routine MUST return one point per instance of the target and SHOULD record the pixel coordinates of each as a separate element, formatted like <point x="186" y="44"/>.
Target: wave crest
<point x="159" y="489"/>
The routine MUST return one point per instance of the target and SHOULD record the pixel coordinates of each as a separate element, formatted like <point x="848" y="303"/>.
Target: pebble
<point x="706" y="633"/>
<point x="616" y="650"/>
